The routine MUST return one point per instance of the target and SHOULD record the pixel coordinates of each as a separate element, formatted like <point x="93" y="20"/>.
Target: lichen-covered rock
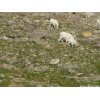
<point x="86" y="34"/>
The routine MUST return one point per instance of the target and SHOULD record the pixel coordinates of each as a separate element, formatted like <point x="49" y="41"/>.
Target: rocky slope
<point x="30" y="54"/>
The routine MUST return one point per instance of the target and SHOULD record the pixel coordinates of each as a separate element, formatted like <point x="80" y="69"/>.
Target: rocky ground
<point x="30" y="54"/>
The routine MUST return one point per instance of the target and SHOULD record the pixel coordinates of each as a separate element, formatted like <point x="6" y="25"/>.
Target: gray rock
<point x="60" y="65"/>
<point x="79" y="74"/>
<point x="11" y="22"/>
<point x="71" y="67"/>
<point x="35" y="67"/>
<point x="72" y="71"/>
<point x="96" y="78"/>
<point x="27" y="20"/>
<point x="8" y="66"/>
<point x="18" y="79"/>
<point x="54" y="61"/>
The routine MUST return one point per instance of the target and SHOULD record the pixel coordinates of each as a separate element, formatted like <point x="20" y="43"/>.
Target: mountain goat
<point x="98" y="21"/>
<point x="54" y="23"/>
<point x="68" y="38"/>
<point x="89" y="14"/>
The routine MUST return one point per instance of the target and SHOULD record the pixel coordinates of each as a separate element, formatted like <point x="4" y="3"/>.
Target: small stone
<point x="65" y="55"/>
<point x="54" y="61"/>
<point x="72" y="71"/>
<point x="79" y="74"/>
<point x="26" y="19"/>
<point x="10" y="22"/>
<point x="86" y="34"/>
<point x="48" y="47"/>
<point x="91" y="75"/>
<point x="34" y="55"/>
<point x="5" y="38"/>
<point x="40" y="68"/>
<point x="81" y="47"/>
<point x="24" y="39"/>
<point x="37" y="21"/>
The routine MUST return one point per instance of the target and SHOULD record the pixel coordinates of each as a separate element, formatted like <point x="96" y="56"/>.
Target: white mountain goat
<point x="64" y="36"/>
<point x="89" y="14"/>
<point x="98" y="21"/>
<point x="54" y="23"/>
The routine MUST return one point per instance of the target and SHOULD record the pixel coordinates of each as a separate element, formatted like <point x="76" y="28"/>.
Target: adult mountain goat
<point x="64" y="36"/>
<point x="54" y="23"/>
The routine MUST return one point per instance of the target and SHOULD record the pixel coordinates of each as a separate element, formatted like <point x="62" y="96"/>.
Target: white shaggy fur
<point x="98" y="21"/>
<point x="72" y="42"/>
<point x="54" y="23"/>
<point x="68" y="38"/>
<point x="89" y="14"/>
